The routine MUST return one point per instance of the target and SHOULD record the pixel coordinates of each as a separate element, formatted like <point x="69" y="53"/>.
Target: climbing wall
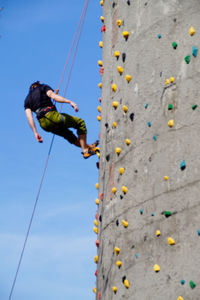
<point x="148" y="203"/>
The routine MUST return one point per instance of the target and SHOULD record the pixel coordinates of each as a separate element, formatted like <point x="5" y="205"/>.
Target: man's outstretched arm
<point x="61" y="99"/>
<point x="32" y="124"/>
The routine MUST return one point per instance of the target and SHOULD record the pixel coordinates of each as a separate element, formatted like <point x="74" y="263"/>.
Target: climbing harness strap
<point x="41" y="112"/>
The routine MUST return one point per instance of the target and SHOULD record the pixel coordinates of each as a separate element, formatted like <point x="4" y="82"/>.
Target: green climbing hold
<point x="194" y="106"/>
<point x="174" y="45"/>
<point x="187" y="59"/>
<point x="192" y="284"/>
<point x="167" y="214"/>
<point x="170" y="107"/>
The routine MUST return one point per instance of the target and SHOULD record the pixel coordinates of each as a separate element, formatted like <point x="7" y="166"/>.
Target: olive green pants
<point x="59" y="124"/>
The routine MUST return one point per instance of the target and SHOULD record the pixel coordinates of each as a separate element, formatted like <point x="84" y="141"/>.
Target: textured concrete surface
<point x="150" y="61"/>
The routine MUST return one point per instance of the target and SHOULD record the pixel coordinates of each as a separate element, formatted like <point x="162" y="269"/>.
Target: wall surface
<point x="152" y="162"/>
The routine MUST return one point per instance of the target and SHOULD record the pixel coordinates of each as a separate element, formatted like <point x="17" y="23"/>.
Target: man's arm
<point x="32" y="124"/>
<point x="61" y="99"/>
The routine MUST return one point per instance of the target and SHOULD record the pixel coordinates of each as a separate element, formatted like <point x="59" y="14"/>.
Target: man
<point x="39" y="102"/>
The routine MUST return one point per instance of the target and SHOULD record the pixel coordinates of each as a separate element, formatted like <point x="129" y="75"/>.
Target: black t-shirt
<point x="37" y="98"/>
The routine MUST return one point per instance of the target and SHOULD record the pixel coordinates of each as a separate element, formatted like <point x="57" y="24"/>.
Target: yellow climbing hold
<point x="172" y="79"/>
<point x="96" y="222"/>
<point x="128" y="142"/>
<point x="125" y="223"/>
<point x="114" y="87"/>
<point x="117" y="54"/>
<point x="97" y="201"/>
<point x="156" y="268"/>
<point x="100" y="63"/>
<point x="99" y="118"/>
<point x="125" y="108"/>
<point x="102" y="19"/>
<point x="118" y="150"/>
<point x="94" y="290"/>
<point x="158" y="233"/>
<point x="119" y="22"/>
<point x="128" y="78"/>
<point x="192" y="30"/>
<point x="96" y="259"/>
<point x="101" y="44"/>
<point x="115" y="104"/>
<point x="124" y="189"/>
<point x="180" y="298"/>
<point x="125" y="34"/>
<point x="97" y="186"/>
<point x="95" y="230"/>
<point x="99" y="108"/>
<point x="118" y="263"/>
<point x="171" y="123"/>
<point x="114" y="288"/>
<point x="126" y="283"/>
<point x="166" y="178"/>
<point x="101" y="2"/>
<point x="114" y="190"/>
<point x="114" y="124"/>
<point x="167" y="81"/>
<point x="171" y="241"/>
<point x="120" y="70"/>
<point x="100" y="85"/>
<point x="117" y="250"/>
<point x="121" y="171"/>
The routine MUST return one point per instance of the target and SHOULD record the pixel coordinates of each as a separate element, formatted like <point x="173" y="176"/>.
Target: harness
<point x="41" y="112"/>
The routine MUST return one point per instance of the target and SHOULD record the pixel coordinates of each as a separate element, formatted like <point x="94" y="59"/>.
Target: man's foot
<point x="88" y="153"/>
<point x="93" y="147"/>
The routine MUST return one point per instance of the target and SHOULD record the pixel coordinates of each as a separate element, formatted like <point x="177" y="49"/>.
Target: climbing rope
<point x="79" y="29"/>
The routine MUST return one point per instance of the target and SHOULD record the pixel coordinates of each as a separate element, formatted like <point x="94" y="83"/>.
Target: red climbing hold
<point x="101" y="70"/>
<point x="100" y="99"/>
<point x="99" y="295"/>
<point x="103" y="28"/>
<point x="101" y="196"/>
<point x="96" y="216"/>
<point x="97" y="243"/>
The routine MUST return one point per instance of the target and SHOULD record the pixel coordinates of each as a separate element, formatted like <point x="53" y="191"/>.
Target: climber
<point x="39" y="101"/>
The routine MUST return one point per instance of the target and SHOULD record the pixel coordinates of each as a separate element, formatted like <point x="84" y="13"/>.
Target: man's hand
<point x="38" y="137"/>
<point x="74" y="105"/>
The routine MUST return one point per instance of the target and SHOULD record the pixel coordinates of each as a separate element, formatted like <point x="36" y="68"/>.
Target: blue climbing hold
<point x="194" y="51"/>
<point x="198" y="231"/>
<point x="182" y="281"/>
<point x="141" y="211"/>
<point x="183" y="165"/>
<point x="155" y="138"/>
<point x="159" y="36"/>
<point x="152" y="214"/>
<point x="146" y="106"/>
<point x="149" y="124"/>
<point x="136" y="255"/>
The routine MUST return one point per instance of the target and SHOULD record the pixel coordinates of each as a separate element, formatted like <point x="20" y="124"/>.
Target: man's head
<point x="34" y="85"/>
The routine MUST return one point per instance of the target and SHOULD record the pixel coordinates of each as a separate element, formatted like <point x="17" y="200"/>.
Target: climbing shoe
<point x="93" y="147"/>
<point x="88" y="153"/>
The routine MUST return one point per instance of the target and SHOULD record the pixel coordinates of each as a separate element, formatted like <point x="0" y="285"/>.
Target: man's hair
<point x="34" y="85"/>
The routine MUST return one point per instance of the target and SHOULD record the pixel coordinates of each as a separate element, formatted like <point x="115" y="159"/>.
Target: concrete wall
<point x="154" y="152"/>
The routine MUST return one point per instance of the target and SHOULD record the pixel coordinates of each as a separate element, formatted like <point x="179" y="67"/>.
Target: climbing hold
<point x="198" y="231"/>
<point x="174" y="45"/>
<point x="128" y="78"/>
<point x="124" y="189"/>
<point x="117" y="54"/>
<point x="155" y="138"/>
<point x="115" y="104"/>
<point x="97" y="243"/>
<point x="126" y="283"/>
<point x="114" y="190"/>
<point x="171" y="123"/>
<point x="99" y="118"/>
<point x="101" y="196"/>
<point x="146" y="105"/>
<point x="192" y="284"/>
<point x="95" y="221"/>
<point x="125" y="34"/>
<point x="125" y="223"/>
<point x="99" y="108"/>
<point x="194" y="51"/>
<point x="119" y="22"/>
<point x="136" y="255"/>
<point x="100" y="63"/>
<point x="95" y="273"/>
<point x="194" y="106"/>
<point x="96" y="259"/>
<point x="180" y="298"/>
<point x="125" y="108"/>
<point x="99" y="295"/>
<point x="167" y="81"/>
<point x="101" y="44"/>
<point x="97" y="186"/>
<point x="100" y="85"/>
<point x="123" y="57"/>
<point x="127" y="141"/>
<point x="120" y="70"/>
<point x="192" y="31"/>
<point x="95" y="230"/>
<point x="170" y="107"/>
<point x="172" y="79"/>
<point x="117" y="250"/>
<point x="102" y="19"/>
<point x="118" y="150"/>
<point x="171" y="241"/>
<point x="183" y="165"/>
<point x="97" y="201"/>
<point x="156" y="268"/>
<point x="118" y="263"/>
<point x="187" y="59"/>
<point x="94" y="290"/>
<point x="114" y="288"/>
<point x="103" y="29"/>
<point x="166" y="178"/>
<point x="182" y="281"/>
<point x="121" y="171"/>
<point x="114" y="124"/>
<point x="141" y="211"/>
<point x="100" y="99"/>
<point x="152" y="214"/>
<point x="167" y="214"/>
<point x="158" y="233"/>
<point x="98" y="154"/>
<point x="114" y="87"/>
<point x="159" y="36"/>
<point x="149" y="124"/>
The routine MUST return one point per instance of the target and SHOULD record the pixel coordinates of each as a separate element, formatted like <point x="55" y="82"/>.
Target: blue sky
<point x="58" y="262"/>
